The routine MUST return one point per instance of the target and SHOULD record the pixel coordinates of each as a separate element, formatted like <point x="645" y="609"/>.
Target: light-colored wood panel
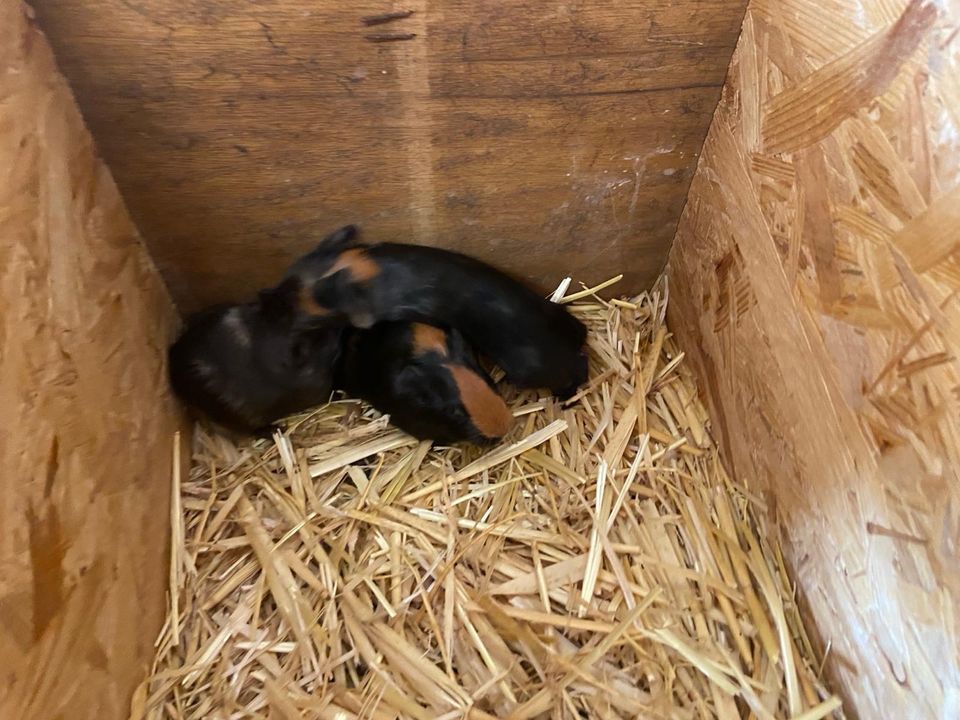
<point x="547" y="137"/>
<point x="827" y="332"/>
<point x="86" y="421"/>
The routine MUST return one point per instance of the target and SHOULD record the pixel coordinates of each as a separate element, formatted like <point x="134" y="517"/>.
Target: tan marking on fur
<point x="427" y="338"/>
<point x="487" y="410"/>
<point x="356" y="260"/>
<point x="309" y="305"/>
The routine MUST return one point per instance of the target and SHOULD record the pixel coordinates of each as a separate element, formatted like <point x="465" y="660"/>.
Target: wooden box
<point x="804" y="182"/>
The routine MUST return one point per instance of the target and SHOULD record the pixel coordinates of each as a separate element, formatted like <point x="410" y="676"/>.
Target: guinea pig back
<point x="537" y="343"/>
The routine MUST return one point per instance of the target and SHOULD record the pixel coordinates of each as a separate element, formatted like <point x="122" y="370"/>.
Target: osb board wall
<point x="86" y="424"/>
<point x="814" y="282"/>
<point x="549" y="137"/>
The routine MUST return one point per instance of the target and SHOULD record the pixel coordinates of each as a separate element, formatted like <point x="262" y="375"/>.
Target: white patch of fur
<point x="203" y="369"/>
<point x="234" y="321"/>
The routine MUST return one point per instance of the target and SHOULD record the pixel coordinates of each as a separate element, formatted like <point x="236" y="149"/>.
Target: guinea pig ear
<point x="280" y="301"/>
<point x="339" y="240"/>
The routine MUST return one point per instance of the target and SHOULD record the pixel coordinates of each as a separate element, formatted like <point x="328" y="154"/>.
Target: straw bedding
<point x="599" y="563"/>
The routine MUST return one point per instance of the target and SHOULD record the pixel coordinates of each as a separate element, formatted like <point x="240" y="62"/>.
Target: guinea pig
<point x="246" y="366"/>
<point x="427" y="379"/>
<point x="537" y="343"/>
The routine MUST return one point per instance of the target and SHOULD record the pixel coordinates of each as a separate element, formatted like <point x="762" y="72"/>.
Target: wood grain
<point x="550" y="138"/>
<point x="833" y="377"/>
<point x="86" y="420"/>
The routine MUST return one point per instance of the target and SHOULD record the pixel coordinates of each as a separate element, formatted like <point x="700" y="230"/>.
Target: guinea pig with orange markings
<point x="537" y="343"/>
<point x="245" y="366"/>
<point x="427" y="379"/>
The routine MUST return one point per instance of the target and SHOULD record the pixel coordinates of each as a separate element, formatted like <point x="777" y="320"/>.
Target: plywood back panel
<point x="548" y="137"/>
<point x="86" y="423"/>
<point x="815" y="281"/>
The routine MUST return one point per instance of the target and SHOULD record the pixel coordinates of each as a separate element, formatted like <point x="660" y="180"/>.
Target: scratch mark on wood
<point x="390" y="37"/>
<point x="386" y="17"/>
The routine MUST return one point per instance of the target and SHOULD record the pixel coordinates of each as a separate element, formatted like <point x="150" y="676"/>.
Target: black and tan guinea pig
<point x="427" y="379"/>
<point x="537" y="343"/>
<point x="246" y="366"/>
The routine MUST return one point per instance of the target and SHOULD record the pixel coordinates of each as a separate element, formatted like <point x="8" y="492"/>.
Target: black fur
<point x="537" y="343"/>
<point x="246" y="366"/>
<point x="418" y="391"/>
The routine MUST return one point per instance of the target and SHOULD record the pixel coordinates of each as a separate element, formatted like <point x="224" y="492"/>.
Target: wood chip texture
<point x="815" y="280"/>
<point x="86" y="417"/>
<point x="599" y="563"/>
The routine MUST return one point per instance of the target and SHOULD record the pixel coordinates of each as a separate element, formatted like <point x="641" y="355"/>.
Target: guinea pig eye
<point x="299" y="352"/>
<point x="314" y="351"/>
